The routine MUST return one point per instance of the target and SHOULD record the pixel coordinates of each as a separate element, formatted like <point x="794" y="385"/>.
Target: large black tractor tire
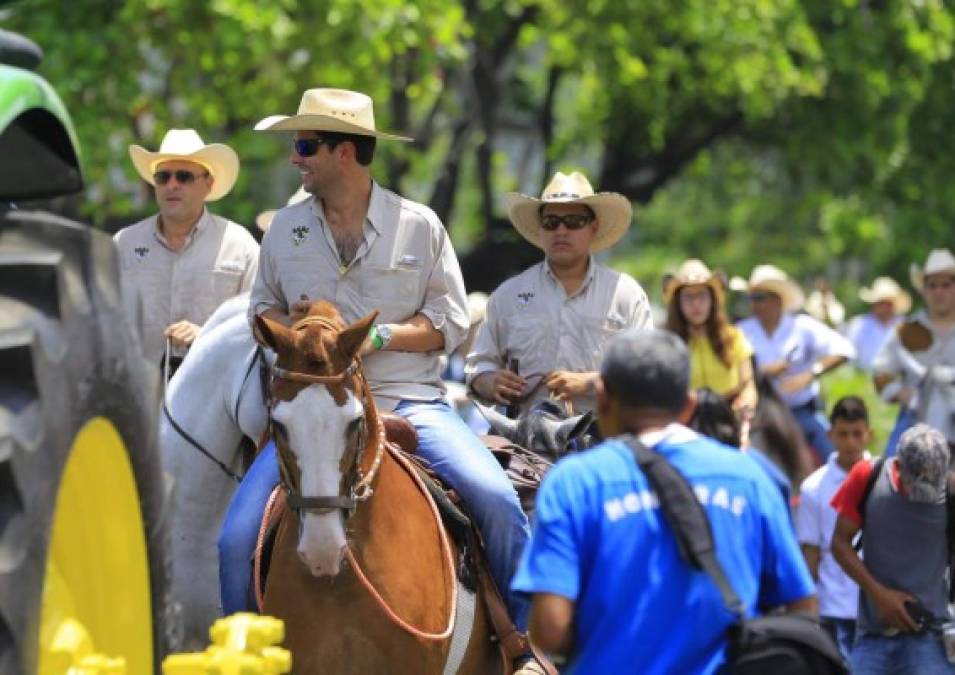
<point x="67" y="356"/>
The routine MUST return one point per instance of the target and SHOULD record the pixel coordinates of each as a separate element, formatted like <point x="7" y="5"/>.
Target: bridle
<point x="361" y="489"/>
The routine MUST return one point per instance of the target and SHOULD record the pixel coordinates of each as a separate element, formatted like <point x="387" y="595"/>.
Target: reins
<point x="256" y="355"/>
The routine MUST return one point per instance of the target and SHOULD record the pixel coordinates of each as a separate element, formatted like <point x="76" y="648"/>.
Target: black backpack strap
<point x="869" y="484"/>
<point x="686" y="518"/>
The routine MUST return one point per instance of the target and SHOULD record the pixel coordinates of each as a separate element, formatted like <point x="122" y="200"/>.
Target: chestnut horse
<point x="361" y="571"/>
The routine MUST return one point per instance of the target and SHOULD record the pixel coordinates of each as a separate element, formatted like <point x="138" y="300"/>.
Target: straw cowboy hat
<point x="185" y="144"/>
<point x="940" y="261"/>
<point x="338" y="110"/>
<point x="264" y="219"/>
<point x="693" y="272"/>
<point x="613" y="210"/>
<point x="771" y="279"/>
<point x="885" y="288"/>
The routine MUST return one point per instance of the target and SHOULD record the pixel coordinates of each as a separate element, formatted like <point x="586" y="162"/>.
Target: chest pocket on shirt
<point x="393" y="291"/>
<point x="599" y="330"/>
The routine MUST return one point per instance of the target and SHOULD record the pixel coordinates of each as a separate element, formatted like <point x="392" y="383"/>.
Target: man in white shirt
<point x="815" y="520"/>
<point x="916" y="366"/>
<point x="793" y="349"/>
<point x="179" y="265"/>
<point x="546" y="329"/>
<point x="888" y="305"/>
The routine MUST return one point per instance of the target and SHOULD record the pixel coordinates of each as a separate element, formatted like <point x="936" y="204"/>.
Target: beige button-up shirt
<point x="161" y="286"/>
<point x="933" y="402"/>
<point x="530" y="318"/>
<point x="405" y="265"/>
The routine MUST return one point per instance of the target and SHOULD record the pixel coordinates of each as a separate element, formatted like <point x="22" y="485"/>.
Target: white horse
<point x="214" y="399"/>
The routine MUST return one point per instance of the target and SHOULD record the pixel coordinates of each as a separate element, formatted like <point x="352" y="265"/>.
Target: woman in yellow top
<point x="720" y="357"/>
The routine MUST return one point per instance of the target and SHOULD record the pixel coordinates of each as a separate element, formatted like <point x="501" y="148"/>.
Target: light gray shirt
<point x="161" y="287"/>
<point x="933" y="401"/>
<point x="405" y="265"/>
<point x="531" y="318"/>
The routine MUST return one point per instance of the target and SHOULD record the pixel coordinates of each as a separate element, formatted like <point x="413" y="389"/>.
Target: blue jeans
<point x="240" y="530"/>
<point x="462" y="460"/>
<point x="453" y="451"/>
<point x="903" y="422"/>
<point x="843" y="631"/>
<point x="920" y="654"/>
<point x="814" y="427"/>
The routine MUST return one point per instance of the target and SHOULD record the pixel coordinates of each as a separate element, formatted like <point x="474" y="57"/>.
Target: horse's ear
<point x="573" y="427"/>
<point x="500" y="424"/>
<point x="351" y="339"/>
<point x="272" y="332"/>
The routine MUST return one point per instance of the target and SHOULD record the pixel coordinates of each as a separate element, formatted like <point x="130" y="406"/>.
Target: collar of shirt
<point x="833" y="462"/>
<point x="588" y="277"/>
<point x="197" y="229"/>
<point x="672" y="433"/>
<point x="370" y="228"/>
<point x="784" y="327"/>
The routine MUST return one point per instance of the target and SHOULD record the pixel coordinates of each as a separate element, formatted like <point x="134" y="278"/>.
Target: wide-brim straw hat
<point x="613" y="210"/>
<point x="264" y="219"/>
<point x="338" y="110"/>
<point x="771" y="279"/>
<point x="693" y="272"/>
<point x="886" y="289"/>
<point x="940" y="261"/>
<point x="185" y="144"/>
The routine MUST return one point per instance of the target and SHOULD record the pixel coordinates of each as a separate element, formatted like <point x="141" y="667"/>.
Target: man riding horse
<point x="365" y="248"/>
<point x="552" y="321"/>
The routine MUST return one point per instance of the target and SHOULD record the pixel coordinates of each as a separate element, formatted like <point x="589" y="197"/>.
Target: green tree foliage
<point x="811" y="132"/>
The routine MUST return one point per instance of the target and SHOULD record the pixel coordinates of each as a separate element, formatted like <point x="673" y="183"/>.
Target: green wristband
<point x="376" y="340"/>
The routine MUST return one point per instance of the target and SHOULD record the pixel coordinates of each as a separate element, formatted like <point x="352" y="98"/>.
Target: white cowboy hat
<point x="693" y="272"/>
<point x="185" y="144"/>
<point x="264" y="219"/>
<point x="940" y="260"/>
<point x="613" y="210"/>
<point x="771" y="279"/>
<point x="885" y="288"/>
<point x="338" y="110"/>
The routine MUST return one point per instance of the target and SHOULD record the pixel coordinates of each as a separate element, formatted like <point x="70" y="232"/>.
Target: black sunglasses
<point x="306" y="147"/>
<point x="759" y="297"/>
<point x="572" y="221"/>
<point x="182" y="176"/>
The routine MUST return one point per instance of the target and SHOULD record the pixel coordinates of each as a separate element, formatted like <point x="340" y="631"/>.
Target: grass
<point x="849" y="380"/>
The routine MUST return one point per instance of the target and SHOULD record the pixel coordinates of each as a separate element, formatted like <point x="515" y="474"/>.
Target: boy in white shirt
<point x="815" y="519"/>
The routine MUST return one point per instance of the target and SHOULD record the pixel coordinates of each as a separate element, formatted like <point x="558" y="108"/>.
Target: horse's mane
<point x="776" y="432"/>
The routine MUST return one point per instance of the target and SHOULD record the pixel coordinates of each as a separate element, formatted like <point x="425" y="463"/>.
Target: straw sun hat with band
<point x="186" y="145"/>
<point x="694" y="272"/>
<point x="613" y="211"/>
<point x="771" y="279"/>
<point x="885" y="289"/>
<point x="336" y="110"/>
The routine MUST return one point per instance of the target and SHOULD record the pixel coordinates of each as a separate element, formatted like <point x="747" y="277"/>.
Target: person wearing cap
<point x="888" y="305"/>
<point x="793" y="349"/>
<point x="546" y="328"/>
<point x="179" y="265"/>
<point x="610" y="588"/>
<point x="365" y="249"/>
<point x="720" y="355"/>
<point x="916" y="366"/>
<point x="903" y="599"/>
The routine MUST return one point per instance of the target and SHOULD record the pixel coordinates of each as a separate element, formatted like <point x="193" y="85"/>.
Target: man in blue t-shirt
<point x="609" y="587"/>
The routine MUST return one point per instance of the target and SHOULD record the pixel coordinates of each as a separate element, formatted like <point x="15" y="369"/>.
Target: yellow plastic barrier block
<point x="242" y="644"/>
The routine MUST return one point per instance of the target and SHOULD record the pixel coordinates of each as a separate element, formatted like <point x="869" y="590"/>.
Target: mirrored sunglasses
<point x="306" y="147"/>
<point x="182" y="176"/>
<point x="572" y="221"/>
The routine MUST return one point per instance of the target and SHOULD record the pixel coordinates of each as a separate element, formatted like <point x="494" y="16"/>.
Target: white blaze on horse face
<point x="316" y="428"/>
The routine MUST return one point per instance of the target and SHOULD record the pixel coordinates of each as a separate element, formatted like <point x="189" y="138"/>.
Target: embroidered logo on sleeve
<point x="141" y="252"/>
<point x="299" y="233"/>
<point x="525" y="298"/>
